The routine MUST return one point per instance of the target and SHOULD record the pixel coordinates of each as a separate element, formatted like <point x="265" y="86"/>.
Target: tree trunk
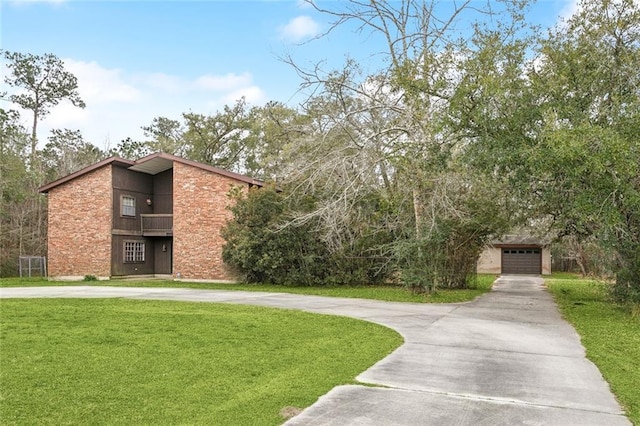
<point x="34" y="137"/>
<point x="416" y="211"/>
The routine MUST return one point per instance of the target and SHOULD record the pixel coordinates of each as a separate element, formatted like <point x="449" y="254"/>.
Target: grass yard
<point x="105" y="361"/>
<point x="385" y="293"/>
<point x="608" y="332"/>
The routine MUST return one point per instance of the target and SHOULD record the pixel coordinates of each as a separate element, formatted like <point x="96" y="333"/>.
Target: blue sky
<point x="136" y="60"/>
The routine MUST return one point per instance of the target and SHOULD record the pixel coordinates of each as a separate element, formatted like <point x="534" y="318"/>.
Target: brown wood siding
<point x="131" y="184"/>
<point x="163" y="255"/>
<point x="141" y="187"/>
<point x="118" y="267"/>
<point x="163" y="192"/>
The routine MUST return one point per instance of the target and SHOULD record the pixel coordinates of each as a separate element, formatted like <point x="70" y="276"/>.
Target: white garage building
<point x="516" y="254"/>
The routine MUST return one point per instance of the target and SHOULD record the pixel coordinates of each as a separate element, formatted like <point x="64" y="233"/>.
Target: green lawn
<point x="105" y="361"/>
<point x="386" y="293"/>
<point x="609" y="333"/>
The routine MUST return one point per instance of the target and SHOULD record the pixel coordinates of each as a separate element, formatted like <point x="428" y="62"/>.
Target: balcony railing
<point x="157" y="224"/>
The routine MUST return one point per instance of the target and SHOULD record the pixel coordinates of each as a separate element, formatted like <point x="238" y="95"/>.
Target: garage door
<point x="521" y="261"/>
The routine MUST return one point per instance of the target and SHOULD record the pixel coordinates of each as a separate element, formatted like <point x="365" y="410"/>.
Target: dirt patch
<point x="289" y="412"/>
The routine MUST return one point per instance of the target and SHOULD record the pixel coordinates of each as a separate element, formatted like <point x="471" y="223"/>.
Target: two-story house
<point x="159" y="215"/>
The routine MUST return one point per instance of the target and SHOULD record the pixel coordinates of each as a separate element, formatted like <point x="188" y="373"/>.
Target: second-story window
<point x="128" y="206"/>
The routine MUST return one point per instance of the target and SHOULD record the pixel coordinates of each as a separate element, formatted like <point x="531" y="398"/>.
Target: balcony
<point x="157" y="225"/>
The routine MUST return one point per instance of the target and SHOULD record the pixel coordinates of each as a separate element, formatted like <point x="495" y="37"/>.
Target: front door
<point x="163" y="256"/>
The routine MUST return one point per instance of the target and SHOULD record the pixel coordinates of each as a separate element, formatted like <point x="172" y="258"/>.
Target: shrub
<point x="627" y="285"/>
<point x="262" y="249"/>
<point x="264" y="245"/>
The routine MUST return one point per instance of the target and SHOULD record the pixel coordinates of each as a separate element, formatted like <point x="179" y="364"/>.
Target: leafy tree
<point x="273" y="130"/>
<point x="262" y="251"/>
<point x="67" y="152"/>
<point x="166" y="136"/>
<point x="219" y="139"/>
<point x="562" y="130"/>
<point x="253" y="141"/>
<point x="588" y="152"/>
<point x="587" y="67"/>
<point x="15" y="183"/>
<point x="131" y="150"/>
<point x="264" y="245"/>
<point x="42" y="82"/>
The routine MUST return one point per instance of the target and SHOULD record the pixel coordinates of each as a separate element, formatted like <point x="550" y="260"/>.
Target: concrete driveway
<point x="507" y="358"/>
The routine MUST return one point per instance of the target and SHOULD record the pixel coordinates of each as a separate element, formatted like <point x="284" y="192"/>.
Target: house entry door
<point x="163" y="256"/>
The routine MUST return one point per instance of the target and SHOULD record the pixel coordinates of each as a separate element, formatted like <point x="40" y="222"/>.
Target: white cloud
<point x="252" y="94"/>
<point x="164" y="82"/>
<point x="299" y="28"/>
<point x="120" y="102"/>
<point x="98" y="85"/>
<point x="65" y="115"/>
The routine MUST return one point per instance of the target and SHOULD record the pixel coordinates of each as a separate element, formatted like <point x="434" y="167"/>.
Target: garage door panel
<point x="521" y="261"/>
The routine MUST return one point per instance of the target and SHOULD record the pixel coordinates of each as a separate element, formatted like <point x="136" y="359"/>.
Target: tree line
<point x="477" y="124"/>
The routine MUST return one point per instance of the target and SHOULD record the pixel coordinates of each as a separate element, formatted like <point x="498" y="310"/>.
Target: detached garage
<point x="516" y="255"/>
<point x="521" y="260"/>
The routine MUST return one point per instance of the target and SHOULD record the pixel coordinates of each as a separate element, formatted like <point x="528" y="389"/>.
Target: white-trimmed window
<point x="133" y="252"/>
<point x="127" y="206"/>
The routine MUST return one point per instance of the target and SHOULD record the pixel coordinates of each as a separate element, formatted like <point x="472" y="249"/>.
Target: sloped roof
<point x="520" y="240"/>
<point x="151" y="164"/>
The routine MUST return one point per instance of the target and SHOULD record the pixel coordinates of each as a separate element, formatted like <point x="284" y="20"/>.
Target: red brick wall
<point x="79" y="240"/>
<point x="199" y="212"/>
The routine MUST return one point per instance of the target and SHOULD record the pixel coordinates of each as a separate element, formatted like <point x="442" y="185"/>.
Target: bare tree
<point x="388" y="134"/>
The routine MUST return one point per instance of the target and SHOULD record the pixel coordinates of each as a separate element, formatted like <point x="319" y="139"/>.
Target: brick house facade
<point x="79" y="218"/>
<point x="159" y="215"/>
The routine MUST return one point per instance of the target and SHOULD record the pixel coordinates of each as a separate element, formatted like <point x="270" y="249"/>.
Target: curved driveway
<point x="507" y="358"/>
